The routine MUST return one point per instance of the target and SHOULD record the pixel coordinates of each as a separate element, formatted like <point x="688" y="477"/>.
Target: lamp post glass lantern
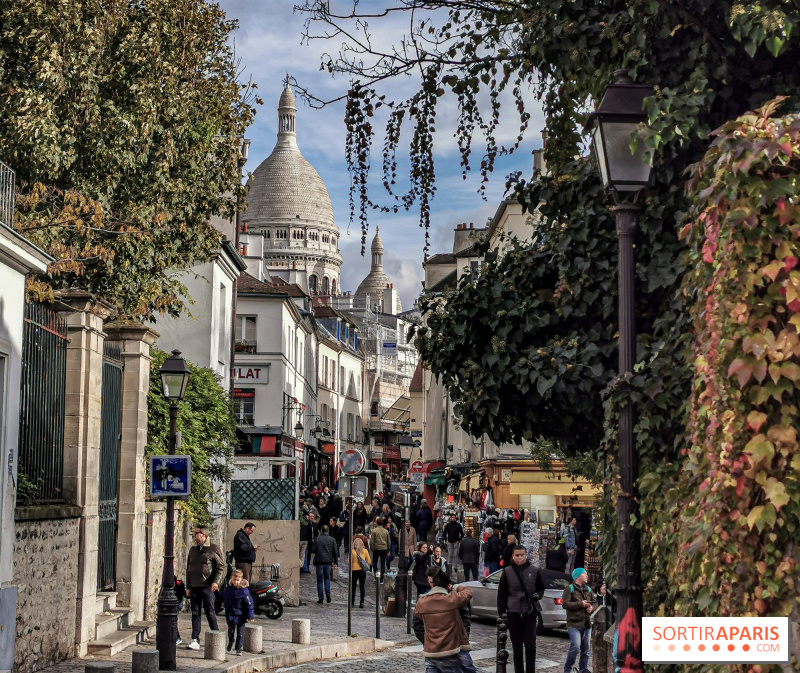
<point x="174" y="379"/>
<point x="613" y="126"/>
<point x="625" y="173"/>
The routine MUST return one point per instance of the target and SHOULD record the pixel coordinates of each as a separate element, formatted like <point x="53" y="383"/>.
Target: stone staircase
<point x="114" y="628"/>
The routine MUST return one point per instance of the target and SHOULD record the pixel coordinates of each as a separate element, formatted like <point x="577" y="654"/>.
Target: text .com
<point x="715" y="639"/>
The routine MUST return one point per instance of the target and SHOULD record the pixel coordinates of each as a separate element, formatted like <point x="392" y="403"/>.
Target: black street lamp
<point x="174" y="379"/>
<point x="625" y="174"/>
<point x="406" y="445"/>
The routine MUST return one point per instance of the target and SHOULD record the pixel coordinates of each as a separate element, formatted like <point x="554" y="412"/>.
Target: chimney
<point x="462" y="238"/>
<point x="470" y="225"/>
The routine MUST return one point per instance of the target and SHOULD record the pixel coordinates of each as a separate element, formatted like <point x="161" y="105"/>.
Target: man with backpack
<point x="579" y="602"/>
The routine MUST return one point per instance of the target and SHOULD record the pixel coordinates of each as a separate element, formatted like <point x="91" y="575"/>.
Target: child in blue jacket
<point x="238" y="610"/>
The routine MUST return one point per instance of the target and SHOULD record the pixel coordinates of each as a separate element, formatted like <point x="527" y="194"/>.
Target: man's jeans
<point x="494" y="566"/>
<point x="202" y="598"/>
<point x="572" y="558"/>
<point x="467" y="666"/>
<point x="470" y="568"/>
<point x="304" y="556"/>
<point x="323" y="578"/>
<point x="579" y="640"/>
<point x="451" y="664"/>
<point x="452" y="555"/>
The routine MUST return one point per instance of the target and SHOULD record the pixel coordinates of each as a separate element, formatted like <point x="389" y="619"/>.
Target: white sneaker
<point x="194" y="644"/>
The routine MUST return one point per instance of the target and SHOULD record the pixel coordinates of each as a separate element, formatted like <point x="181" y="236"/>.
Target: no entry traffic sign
<point x="352" y="462"/>
<point x="416" y="466"/>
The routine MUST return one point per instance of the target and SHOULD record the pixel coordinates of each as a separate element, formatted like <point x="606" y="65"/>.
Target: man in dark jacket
<point x="453" y="533"/>
<point x="205" y="567"/>
<point x="469" y="552"/>
<point x="424" y="521"/>
<point x="244" y="551"/>
<point x="308" y="533"/>
<point x="557" y="558"/>
<point x="579" y="602"/>
<point x="493" y="552"/>
<point x="520" y="587"/>
<point x="326" y="559"/>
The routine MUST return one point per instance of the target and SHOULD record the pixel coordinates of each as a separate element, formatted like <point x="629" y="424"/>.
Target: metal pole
<point x="167" y="617"/>
<point x="400" y="582"/>
<point x="350" y="566"/>
<point x="408" y="603"/>
<point x="629" y="545"/>
<point x="377" y="602"/>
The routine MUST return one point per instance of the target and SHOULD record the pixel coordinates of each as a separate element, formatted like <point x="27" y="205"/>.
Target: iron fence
<point x="7" y="178"/>
<point x="263" y="499"/>
<point x="111" y="419"/>
<point x="42" y="406"/>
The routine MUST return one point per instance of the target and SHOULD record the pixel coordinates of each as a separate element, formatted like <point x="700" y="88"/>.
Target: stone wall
<point x="46" y="574"/>
<point x="278" y="542"/>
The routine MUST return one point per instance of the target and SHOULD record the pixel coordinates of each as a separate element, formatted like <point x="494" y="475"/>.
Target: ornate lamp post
<point x="174" y="379"/>
<point x="406" y="446"/>
<point x="625" y="174"/>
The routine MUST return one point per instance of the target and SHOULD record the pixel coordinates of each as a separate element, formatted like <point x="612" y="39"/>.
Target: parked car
<point x="484" y="598"/>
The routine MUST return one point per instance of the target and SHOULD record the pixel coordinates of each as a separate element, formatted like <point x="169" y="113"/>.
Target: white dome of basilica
<point x="377" y="281"/>
<point x="289" y="205"/>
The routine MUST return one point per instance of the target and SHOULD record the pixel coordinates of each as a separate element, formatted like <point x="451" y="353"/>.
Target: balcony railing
<point x="7" y="178"/>
<point x="245" y="347"/>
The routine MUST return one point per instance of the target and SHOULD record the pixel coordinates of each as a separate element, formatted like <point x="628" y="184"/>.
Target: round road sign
<point x="416" y="466"/>
<point x="352" y="462"/>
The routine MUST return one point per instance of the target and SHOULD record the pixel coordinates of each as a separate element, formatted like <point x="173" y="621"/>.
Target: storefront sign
<point x="243" y="394"/>
<point x="403" y="487"/>
<point x="250" y="373"/>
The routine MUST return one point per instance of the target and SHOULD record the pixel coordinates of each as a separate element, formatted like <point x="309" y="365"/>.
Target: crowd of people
<point x="437" y="542"/>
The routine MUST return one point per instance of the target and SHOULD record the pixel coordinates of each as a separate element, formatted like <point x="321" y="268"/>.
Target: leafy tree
<point x="122" y="120"/>
<point x="526" y="349"/>
<point x="207" y="423"/>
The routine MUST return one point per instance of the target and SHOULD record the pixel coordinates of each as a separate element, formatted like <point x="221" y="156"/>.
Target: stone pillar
<point x="84" y="316"/>
<point x="134" y="340"/>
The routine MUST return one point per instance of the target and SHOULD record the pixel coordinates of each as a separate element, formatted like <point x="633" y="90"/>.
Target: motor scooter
<point x="266" y="600"/>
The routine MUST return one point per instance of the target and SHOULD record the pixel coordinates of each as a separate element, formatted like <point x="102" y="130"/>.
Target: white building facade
<point x="18" y="257"/>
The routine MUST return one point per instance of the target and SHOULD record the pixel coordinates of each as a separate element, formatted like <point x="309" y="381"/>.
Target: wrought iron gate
<point x="109" y="466"/>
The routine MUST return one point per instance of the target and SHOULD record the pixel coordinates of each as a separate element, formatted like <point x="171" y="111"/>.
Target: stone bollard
<point x="144" y="661"/>
<point x="301" y="631"/>
<point x="215" y="645"/>
<point x="253" y="638"/>
<point x="99" y="667"/>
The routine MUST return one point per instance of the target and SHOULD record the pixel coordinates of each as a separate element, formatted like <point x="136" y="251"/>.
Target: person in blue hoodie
<point x="238" y="610"/>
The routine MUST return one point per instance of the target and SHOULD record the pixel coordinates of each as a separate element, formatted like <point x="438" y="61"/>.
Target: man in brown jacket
<point x="205" y="568"/>
<point x="445" y="635"/>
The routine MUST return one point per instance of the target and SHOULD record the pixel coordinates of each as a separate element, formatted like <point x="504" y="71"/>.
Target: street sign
<point x="359" y="489"/>
<point x="352" y="462"/>
<point x="417" y="478"/>
<point x="400" y="498"/>
<point x="170" y="476"/>
<point x="402" y="487"/>
<point x="416" y="466"/>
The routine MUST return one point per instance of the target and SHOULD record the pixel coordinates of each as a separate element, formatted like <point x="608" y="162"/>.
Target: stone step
<point x="106" y="600"/>
<point x="107" y="622"/>
<point x="110" y="645"/>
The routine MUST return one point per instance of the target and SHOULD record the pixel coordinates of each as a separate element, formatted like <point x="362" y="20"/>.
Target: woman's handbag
<point x="364" y="565"/>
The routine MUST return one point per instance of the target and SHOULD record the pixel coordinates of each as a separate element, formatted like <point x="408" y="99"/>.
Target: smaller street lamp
<point x="174" y="375"/>
<point x="612" y="126"/>
<point x="298" y="428"/>
<point x="625" y="174"/>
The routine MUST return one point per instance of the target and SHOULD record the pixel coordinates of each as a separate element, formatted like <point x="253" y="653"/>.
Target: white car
<point x="553" y="615"/>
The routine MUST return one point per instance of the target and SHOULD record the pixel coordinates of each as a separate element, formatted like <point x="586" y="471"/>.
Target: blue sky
<point x="268" y="42"/>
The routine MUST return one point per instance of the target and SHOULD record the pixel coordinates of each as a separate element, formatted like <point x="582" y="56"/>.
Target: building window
<point x="358" y="429"/>
<point x="246" y="334"/>
<point x="326" y="285"/>
<point x="343" y="380"/>
<point x="351" y="427"/>
<point x="333" y="375"/>
<point x="245" y="405"/>
<point x="333" y="286"/>
<point x="281" y="234"/>
<point x="312" y="284"/>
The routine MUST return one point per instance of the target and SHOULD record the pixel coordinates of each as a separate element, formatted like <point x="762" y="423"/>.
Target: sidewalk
<point x="329" y="638"/>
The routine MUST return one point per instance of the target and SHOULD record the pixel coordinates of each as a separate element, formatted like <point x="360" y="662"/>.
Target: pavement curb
<point x="304" y="655"/>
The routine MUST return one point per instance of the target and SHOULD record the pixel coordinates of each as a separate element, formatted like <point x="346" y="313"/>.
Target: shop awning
<point x="329" y="448"/>
<point x="527" y="482"/>
<point x="427" y="468"/>
<point x="379" y="464"/>
<point x="436" y="479"/>
<point x="471" y="481"/>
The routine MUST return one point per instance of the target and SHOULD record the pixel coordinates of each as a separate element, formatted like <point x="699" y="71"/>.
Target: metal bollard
<point x="502" y="638"/>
